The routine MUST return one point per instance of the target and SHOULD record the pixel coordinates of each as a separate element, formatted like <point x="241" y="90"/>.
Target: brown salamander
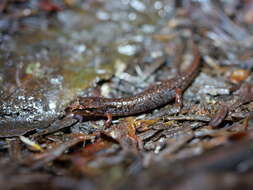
<point x="156" y="95"/>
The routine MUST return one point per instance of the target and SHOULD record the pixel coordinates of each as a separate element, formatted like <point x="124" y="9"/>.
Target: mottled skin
<point x="156" y="95"/>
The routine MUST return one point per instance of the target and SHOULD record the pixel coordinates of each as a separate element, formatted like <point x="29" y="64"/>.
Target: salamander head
<point x="86" y="106"/>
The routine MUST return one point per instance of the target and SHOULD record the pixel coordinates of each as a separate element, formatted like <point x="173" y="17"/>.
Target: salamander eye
<point x="90" y="109"/>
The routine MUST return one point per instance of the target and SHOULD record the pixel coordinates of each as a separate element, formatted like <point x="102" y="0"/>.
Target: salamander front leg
<point x="108" y="121"/>
<point x="179" y="99"/>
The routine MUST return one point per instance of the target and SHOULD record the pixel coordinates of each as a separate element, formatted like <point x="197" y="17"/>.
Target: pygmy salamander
<point x="155" y="96"/>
